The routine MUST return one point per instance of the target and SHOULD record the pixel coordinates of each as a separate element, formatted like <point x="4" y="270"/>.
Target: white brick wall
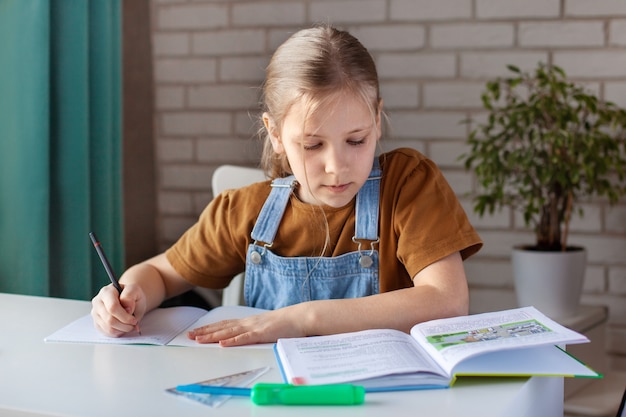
<point x="596" y="8"/>
<point x="348" y="11"/>
<point x="231" y="42"/>
<point x="593" y="64"/>
<point x="472" y="35"/>
<point x="411" y="65"/>
<point x="389" y="37"/>
<point x="192" y="16"/>
<point x="617" y="33"/>
<point x="434" y="57"/>
<point x="185" y="70"/>
<point x="483" y="65"/>
<point x="561" y="34"/>
<point x="429" y="10"/>
<point x="516" y="10"/>
<point x="268" y="13"/>
<point x="615" y="92"/>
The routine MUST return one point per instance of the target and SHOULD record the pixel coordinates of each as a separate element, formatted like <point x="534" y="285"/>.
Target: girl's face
<point x="331" y="151"/>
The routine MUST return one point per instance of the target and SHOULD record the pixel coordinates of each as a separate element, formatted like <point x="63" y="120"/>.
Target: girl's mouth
<point x="338" y="188"/>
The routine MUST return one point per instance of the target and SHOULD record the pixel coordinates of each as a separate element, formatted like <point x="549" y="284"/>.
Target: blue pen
<point x="286" y="394"/>
<point x="215" y="390"/>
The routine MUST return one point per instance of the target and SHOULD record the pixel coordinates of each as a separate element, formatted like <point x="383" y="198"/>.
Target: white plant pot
<point x="550" y="281"/>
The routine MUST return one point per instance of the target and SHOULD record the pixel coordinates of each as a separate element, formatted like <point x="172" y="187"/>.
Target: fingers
<point x="262" y="328"/>
<point x="213" y="333"/>
<point x="242" y="339"/>
<point x="227" y="333"/>
<point x="110" y="316"/>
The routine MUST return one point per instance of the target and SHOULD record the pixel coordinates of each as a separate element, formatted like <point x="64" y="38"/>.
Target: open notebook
<point x="163" y="326"/>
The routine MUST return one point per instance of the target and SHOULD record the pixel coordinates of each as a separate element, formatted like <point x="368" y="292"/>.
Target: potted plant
<point x="546" y="147"/>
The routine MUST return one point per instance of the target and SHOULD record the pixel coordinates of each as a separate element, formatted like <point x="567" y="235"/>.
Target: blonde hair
<point x="313" y="65"/>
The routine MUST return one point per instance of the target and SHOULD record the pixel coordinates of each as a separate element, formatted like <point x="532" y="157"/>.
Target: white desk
<point x="38" y="378"/>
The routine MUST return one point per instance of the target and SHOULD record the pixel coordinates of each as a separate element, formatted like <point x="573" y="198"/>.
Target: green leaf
<point x="513" y="68"/>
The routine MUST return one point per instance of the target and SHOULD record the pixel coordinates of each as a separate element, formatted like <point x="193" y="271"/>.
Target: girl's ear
<point x="273" y="133"/>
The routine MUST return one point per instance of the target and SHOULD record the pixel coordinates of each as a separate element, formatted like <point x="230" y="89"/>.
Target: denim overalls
<point x="274" y="281"/>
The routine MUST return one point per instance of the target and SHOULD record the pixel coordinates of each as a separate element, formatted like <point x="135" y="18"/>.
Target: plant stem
<point x="568" y="213"/>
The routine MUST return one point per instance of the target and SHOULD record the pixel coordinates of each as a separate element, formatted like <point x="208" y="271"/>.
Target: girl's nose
<point x="335" y="161"/>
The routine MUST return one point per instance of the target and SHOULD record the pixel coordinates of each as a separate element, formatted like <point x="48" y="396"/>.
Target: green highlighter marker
<point x="286" y="394"/>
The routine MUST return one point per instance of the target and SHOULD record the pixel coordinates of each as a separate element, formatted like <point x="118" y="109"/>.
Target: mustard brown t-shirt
<point x="421" y="221"/>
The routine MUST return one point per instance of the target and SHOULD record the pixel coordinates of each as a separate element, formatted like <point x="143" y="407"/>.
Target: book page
<point x="542" y="360"/>
<point x="158" y="327"/>
<point x="453" y="340"/>
<point x="351" y="357"/>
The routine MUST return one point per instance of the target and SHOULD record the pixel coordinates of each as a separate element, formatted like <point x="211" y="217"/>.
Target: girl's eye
<point x="356" y="142"/>
<point x="311" y="147"/>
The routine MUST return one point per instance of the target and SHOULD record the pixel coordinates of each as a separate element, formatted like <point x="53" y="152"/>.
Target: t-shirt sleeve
<point x="429" y="220"/>
<point x="212" y="251"/>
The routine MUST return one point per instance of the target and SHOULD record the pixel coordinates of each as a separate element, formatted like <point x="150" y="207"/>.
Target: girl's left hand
<point x="262" y="328"/>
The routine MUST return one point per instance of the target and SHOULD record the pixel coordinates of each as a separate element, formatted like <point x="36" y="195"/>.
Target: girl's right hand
<point x="116" y="314"/>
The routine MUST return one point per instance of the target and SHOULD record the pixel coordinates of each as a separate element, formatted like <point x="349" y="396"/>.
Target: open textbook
<point x="518" y="342"/>
<point x="162" y="326"/>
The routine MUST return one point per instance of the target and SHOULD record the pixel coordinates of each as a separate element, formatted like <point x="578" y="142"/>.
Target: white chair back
<point x="228" y="177"/>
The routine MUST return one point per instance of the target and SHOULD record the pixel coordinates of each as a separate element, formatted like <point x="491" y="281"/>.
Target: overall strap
<point x="367" y="202"/>
<point x="267" y="223"/>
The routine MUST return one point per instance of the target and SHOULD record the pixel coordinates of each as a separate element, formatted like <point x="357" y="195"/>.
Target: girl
<point x="340" y="241"/>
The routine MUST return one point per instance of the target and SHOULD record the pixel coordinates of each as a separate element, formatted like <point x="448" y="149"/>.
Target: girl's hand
<point x="262" y="328"/>
<point x="116" y="314"/>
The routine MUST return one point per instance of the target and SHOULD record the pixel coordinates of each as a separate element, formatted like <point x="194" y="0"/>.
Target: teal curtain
<point x="60" y="145"/>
